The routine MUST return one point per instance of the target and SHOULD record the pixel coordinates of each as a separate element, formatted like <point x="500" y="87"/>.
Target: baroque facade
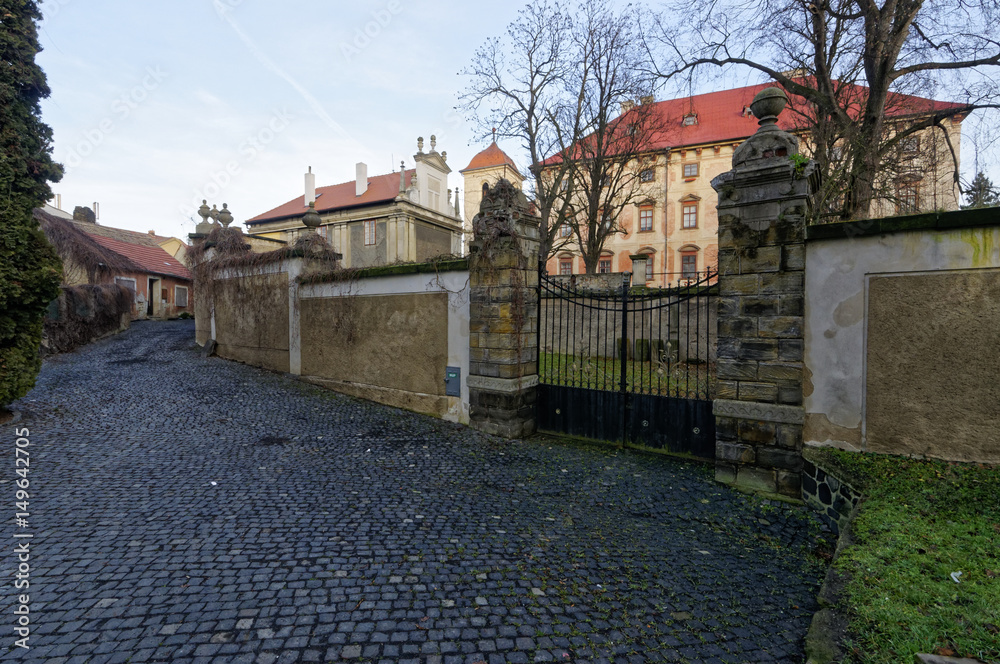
<point x="401" y="217"/>
<point x="674" y="224"/>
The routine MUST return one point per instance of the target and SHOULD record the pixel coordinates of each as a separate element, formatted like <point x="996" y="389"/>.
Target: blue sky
<point x="157" y="105"/>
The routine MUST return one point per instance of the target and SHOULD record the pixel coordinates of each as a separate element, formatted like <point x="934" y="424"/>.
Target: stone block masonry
<point x="503" y="315"/>
<point x="763" y="203"/>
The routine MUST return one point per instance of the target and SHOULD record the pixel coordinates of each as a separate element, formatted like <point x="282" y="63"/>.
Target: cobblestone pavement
<point x="197" y="510"/>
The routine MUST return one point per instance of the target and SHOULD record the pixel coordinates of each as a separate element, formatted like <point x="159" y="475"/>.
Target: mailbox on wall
<point x="453" y="381"/>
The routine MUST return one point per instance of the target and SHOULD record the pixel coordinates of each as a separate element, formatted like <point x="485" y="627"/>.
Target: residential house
<point x="95" y="254"/>
<point x="407" y="216"/>
<point x="674" y="224"/>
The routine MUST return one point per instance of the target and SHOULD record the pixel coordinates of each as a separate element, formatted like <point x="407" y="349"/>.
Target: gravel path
<point x="186" y="509"/>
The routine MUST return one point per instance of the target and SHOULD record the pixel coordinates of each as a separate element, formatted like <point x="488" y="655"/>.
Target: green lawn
<point x="675" y="380"/>
<point x="920" y="522"/>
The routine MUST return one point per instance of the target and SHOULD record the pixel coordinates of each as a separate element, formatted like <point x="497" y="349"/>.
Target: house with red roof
<point x="407" y="216"/>
<point x="674" y="225"/>
<point x="96" y="254"/>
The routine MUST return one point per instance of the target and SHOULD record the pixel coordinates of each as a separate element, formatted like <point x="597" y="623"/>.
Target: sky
<point x="156" y="106"/>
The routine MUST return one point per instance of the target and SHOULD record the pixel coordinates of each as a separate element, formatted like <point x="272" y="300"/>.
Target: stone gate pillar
<point x="503" y="342"/>
<point x="763" y="203"/>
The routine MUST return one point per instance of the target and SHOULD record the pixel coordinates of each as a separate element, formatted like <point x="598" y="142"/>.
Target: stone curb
<point x="829" y="625"/>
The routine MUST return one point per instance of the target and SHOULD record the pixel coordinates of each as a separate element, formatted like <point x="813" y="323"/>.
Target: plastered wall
<point x="901" y="338"/>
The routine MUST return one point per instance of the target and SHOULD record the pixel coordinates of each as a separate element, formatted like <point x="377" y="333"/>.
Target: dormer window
<point x="690" y="119"/>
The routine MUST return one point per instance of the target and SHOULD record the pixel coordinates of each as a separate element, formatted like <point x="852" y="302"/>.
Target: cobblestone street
<point x="187" y="509"/>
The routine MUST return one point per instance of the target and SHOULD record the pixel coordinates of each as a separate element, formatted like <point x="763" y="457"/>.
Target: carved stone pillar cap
<point x="311" y="218"/>
<point x="768" y="104"/>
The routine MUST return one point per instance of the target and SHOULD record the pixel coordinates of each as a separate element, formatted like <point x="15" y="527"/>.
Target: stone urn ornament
<point x="769" y="141"/>
<point x="767" y="105"/>
<point x="311" y="219"/>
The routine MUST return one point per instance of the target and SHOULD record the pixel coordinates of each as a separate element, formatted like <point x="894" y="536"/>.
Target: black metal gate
<point x="633" y="366"/>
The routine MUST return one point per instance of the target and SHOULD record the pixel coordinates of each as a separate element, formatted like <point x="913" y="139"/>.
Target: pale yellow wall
<point x="938" y="191"/>
<point x="398" y="221"/>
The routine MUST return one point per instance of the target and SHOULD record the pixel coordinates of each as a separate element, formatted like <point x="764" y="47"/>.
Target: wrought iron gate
<point x="634" y="366"/>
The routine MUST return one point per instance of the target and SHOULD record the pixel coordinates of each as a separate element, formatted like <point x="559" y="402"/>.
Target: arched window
<point x="486" y="189"/>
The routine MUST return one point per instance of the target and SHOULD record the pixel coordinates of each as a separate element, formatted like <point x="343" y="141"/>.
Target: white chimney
<point x="97" y="210"/>
<point x="59" y="201"/>
<point x="361" y="181"/>
<point x="310" y="187"/>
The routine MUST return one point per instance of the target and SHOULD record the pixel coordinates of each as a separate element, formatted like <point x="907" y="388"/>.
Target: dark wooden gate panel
<point x="631" y="366"/>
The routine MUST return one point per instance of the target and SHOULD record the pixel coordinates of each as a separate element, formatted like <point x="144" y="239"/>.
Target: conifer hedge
<point x="30" y="270"/>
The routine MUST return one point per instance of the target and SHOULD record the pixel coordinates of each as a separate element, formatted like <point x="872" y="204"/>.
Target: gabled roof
<point x="381" y="189"/>
<point x="724" y="116"/>
<point x="491" y="157"/>
<point x="120" y="234"/>
<point x="149" y="259"/>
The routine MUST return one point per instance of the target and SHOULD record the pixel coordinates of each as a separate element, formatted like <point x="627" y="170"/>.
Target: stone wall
<point x="831" y="497"/>
<point x="82" y="314"/>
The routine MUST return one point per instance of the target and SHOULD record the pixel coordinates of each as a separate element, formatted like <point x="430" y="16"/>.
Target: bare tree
<point x="517" y="88"/>
<point x="853" y="64"/>
<point x="608" y="159"/>
<point x="555" y="82"/>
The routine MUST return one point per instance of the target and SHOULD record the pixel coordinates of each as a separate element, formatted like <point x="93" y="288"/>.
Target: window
<point x="565" y="266"/>
<point x="689" y="218"/>
<point x="181" y="296"/>
<point x="646" y="218"/>
<point x="909" y="198"/>
<point x="690" y="170"/>
<point x="126" y="282"/>
<point x="565" y="230"/>
<point x="646" y="175"/>
<point x="689" y="265"/>
<point x="370" y="232"/>
<point x="690" y="119"/>
<point x="604" y="266"/>
<point x="564" y="185"/>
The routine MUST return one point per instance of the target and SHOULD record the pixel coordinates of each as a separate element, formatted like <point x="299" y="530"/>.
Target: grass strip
<point x="921" y="521"/>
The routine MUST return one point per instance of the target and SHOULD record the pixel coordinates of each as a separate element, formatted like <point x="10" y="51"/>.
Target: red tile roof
<point x="151" y="259"/>
<point x="490" y="157"/>
<point x="721" y="117"/>
<point x="725" y="116"/>
<point x="381" y="189"/>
